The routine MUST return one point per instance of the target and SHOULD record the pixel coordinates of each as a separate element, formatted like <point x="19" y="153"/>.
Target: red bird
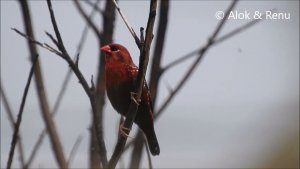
<point x="121" y="74"/>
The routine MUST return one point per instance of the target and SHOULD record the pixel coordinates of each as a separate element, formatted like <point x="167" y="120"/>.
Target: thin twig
<point x="52" y="38"/>
<point x="197" y="61"/>
<point x="144" y="58"/>
<point x="88" y="19"/>
<point x="42" y="97"/>
<point x="129" y="27"/>
<point x="136" y="154"/>
<point x="94" y="5"/>
<point x="83" y="82"/>
<point x="51" y="49"/>
<point x="74" y="149"/>
<point x="19" y="118"/>
<point x="180" y="60"/>
<point x="215" y="42"/>
<point x="54" y="112"/>
<point x="108" y="19"/>
<point x="43" y="45"/>
<point x="12" y="123"/>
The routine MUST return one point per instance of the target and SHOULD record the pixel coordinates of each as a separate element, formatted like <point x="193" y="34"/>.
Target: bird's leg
<point x="133" y="97"/>
<point x="123" y="131"/>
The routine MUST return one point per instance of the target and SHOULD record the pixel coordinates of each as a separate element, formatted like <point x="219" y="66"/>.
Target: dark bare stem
<point x="12" y="123"/>
<point x="54" y="111"/>
<point x="52" y="38"/>
<point x="88" y="19"/>
<point x="94" y="5"/>
<point x="19" y="118"/>
<point x="179" y="60"/>
<point x="215" y="42"/>
<point x="129" y="27"/>
<point x="108" y="19"/>
<point x="65" y="55"/>
<point x="91" y="94"/>
<point x="144" y="58"/>
<point x="74" y="149"/>
<point x="58" y="100"/>
<point x="158" y="50"/>
<point x="190" y="55"/>
<point x="137" y="151"/>
<point x="201" y="53"/>
<point x="42" y="97"/>
<point x="43" y="45"/>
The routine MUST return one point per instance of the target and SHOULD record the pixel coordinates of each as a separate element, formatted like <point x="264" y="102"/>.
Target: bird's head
<point x="116" y="54"/>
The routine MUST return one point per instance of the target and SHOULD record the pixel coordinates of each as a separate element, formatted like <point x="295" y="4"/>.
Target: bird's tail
<point x="153" y="143"/>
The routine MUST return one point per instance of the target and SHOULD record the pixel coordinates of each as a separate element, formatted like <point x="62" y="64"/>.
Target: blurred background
<point x="239" y="109"/>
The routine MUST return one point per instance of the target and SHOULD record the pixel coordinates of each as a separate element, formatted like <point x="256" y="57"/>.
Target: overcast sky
<point x="238" y="109"/>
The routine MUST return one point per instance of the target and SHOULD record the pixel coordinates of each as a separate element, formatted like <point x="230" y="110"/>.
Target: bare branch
<point x="180" y="60"/>
<point x="43" y="45"/>
<point x="215" y="42"/>
<point x="83" y="82"/>
<point x="95" y="6"/>
<point x="197" y="61"/>
<point x="88" y="19"/>
<point x="46" y="114"/>
<point x="136" y="154"/>
<point x="129" y="27"/>
<point x="74" y="149"/>
<point x="54" y="111"/>
<point x="158" y="50"/>
<point x="52" y="38"/>
<point x="144" y="58"/>
<point x="19" y="118"/>
<point x="57" y="102"/>
<point x="108" y="20"/>
<point x="12" y="123"/>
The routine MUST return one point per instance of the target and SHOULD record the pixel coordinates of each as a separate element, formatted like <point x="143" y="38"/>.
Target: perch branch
<point x="136" y="154"/>
<point x="144" y="58"/>
<point x="42" y="97"/>
<point x="90" y="93"/>
<point x="43" y="45"/>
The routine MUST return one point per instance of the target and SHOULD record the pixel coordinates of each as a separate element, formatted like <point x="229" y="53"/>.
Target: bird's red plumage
<point x="121" y="75"/>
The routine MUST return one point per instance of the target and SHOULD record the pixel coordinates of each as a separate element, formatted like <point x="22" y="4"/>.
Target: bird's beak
<point x="106" y="49"/>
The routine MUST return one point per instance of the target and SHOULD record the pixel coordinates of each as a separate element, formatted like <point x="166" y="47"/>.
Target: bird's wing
<point x="133" y="71"/>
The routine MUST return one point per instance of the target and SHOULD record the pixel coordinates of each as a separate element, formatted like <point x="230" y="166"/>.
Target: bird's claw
<point x="124" y="131"/>
<point x="133" y="97"/>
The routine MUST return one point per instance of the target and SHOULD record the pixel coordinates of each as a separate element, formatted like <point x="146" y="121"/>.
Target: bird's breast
<point x="119" y="86"/>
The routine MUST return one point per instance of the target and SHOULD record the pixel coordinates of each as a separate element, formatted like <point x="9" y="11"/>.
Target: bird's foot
<point x="123" y="130"/>
<point x="133" y="97"/>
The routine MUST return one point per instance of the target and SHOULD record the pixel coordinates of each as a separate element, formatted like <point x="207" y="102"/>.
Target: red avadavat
<point x="121" y="75"/>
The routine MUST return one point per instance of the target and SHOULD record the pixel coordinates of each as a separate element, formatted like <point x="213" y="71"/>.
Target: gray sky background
<point x="239" y="108"/>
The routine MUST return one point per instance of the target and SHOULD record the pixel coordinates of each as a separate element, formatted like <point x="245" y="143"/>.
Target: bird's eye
<point x="114" y="49"/>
